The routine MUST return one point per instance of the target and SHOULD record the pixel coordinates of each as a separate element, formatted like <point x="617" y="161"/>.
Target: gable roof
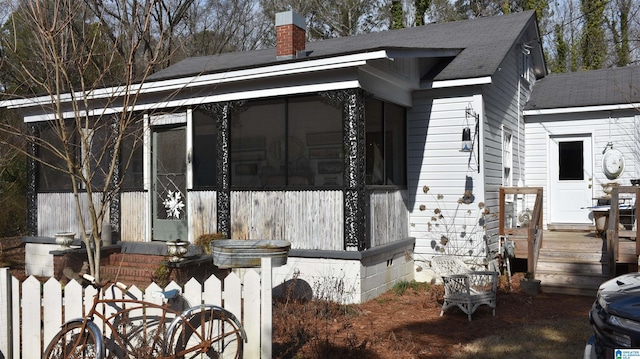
<point x="483" y="43"/>
<point x="615" y="86"/>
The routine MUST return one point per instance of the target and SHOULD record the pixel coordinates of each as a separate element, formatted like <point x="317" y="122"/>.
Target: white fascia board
<point x="192" y="101"/>
<point x="210" y="79"/>
<point x="457" y="83"/>
<point x="565" y="110"/>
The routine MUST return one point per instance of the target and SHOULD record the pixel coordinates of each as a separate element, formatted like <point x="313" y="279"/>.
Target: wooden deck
<point x="575" y="262"/>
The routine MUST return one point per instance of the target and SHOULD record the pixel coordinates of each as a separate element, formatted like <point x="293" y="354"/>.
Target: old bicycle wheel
<point x="73" y="341"/>
<point x="208" y="334"/>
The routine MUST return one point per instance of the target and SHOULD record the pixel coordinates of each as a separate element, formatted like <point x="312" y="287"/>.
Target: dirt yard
<point x="406" y="323"/>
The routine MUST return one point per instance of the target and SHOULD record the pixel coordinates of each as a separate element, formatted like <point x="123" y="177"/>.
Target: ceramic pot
<point x="64" y="239"/>
<point x="176" y="250"/>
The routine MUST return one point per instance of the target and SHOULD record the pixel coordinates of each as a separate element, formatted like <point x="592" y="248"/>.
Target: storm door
<point x="169" y="207"/>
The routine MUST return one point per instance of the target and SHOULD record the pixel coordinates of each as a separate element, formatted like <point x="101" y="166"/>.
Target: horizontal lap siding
<point x="435" y="160"/>
<point x="620" y="128"/>
<point x="504" y="99"/>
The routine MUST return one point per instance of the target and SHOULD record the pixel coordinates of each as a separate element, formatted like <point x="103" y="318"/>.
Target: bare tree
<point x="72" y="58"/>
<point x="332" y="19"/>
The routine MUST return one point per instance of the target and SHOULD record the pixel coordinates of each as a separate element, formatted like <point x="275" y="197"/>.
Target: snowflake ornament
<point x="173" y="204"/>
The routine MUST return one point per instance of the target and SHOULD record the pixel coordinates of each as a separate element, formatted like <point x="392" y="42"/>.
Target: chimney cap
<point x="290" y="17"/>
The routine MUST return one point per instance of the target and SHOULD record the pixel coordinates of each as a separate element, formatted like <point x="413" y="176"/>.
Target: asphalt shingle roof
<point x="484" y="43"/>
<point x="587" y="88"/>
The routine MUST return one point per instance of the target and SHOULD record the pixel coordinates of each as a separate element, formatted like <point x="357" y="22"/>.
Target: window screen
<point x="570" y="161"/>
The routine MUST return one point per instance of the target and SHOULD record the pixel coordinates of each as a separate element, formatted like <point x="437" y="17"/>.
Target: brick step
<point x="135" y="260"/>
<point x="141" y="277"/>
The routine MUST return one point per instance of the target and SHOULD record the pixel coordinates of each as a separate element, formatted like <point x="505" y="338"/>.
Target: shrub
<point x="204" y="240"/>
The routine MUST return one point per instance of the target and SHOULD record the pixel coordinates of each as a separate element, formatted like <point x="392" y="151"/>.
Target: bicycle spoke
<point x="73" y="342"/>
<point x="209" y="334"/>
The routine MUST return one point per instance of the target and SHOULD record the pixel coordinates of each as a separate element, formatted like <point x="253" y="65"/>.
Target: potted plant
<point x="529" y="284"/>
<point x="204" y="240"/>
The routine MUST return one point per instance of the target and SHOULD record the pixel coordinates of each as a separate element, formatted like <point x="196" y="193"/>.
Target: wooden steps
<point x="570" y="262"/>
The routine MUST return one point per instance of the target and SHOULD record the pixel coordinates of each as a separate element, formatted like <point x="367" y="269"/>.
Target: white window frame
<point x="525" y="65"/>
<point x="507" y="159"/>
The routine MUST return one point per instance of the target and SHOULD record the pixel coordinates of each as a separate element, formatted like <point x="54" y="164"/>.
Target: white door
<point x="571" y="179"/>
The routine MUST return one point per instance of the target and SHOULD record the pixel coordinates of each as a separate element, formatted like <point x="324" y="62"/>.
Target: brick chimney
<point x="290" y="35"/>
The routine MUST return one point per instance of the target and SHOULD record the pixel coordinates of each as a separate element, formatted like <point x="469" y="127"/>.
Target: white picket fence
<point x="31" y="313"/>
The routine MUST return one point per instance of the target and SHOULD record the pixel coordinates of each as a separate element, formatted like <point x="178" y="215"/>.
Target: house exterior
<point x="582" y="133"/>
<point x="370" y="153"/>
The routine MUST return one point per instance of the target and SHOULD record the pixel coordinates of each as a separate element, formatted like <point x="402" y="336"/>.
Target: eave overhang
<point x="172" y="85"/>
<point x="581" y="109"/>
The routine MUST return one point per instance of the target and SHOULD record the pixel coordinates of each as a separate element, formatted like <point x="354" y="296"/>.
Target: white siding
<point x="504" y="100"/>
<point x="435" y="161"/>
<point x="435" y="127"/>
<point x="620" y="128"/>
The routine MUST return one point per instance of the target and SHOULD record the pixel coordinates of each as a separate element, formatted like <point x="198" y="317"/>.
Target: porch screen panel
<point x="570" y="161"/>
<point x="131" y="154"/>
<point x="257" y="146"/>
<point x="385" y="143"/>
<point x="204" y="150"/>
<point x="395" y="139"/>
<point x="49" y="177"/>
<point x="315" y="148"/>
<point x="375" y="142"/>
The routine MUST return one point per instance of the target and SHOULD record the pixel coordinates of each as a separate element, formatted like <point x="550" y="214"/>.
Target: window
<point x="204" y="150"/>
<point x="525" y="64"/>
<point x="570" y="161"/>
<point x="385" y="143"/>
<point x="507" y="158"/>
<point x="295" y="142"/>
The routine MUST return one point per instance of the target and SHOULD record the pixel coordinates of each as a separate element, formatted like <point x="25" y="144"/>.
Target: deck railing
<point x="533" y="231"/>
<point x="613" y="227"/>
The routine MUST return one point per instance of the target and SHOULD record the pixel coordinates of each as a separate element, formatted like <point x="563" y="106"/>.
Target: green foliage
<point x="161" y="275"/>
<point x="421" y="7"/>
<point x="400" y="288"/>
<point x="594" y="49"/>
<point x="620" y="32"/>
<point x="397" y="15"/>
<point x="13" y="175"/>
<point x="559" y="64"/>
